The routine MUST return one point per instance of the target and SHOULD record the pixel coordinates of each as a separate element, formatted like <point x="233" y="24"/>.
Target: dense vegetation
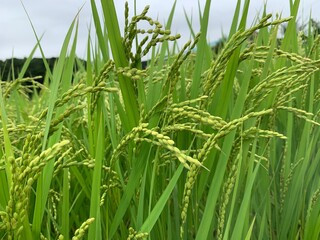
<point x="10" y="68"/>
<point x="196" y="146"/>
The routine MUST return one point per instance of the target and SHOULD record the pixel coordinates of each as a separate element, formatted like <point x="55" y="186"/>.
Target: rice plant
<point x="195" y="146"/>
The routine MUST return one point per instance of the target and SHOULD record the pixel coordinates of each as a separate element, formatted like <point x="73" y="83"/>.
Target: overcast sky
<point x="53" y="18"/>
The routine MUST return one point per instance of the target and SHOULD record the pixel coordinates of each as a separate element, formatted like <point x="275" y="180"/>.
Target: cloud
<point x="53" y="18"/>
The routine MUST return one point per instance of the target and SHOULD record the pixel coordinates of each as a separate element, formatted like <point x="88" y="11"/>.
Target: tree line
<point x="10" y="68"/>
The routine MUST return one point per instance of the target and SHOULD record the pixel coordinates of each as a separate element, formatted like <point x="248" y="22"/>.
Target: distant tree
<point x="10" y="68"/>
<point x="218" y="45"/>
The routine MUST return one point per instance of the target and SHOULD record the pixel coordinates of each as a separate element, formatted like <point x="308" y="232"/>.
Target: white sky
<point x="53" y="18"/>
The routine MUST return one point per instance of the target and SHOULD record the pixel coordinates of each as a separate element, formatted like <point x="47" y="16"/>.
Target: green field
<point x="199" y="145"/>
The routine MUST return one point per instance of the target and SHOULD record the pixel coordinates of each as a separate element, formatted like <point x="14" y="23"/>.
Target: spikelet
<point x="313" y="201"/>
<point x="134" y="235"/>
<point x="191" y="177"/>
<point x="158" y="139"/>
<point x="197" y="115"/>
<point x="25" y="171"/>
<point x="204" y="153"/>
<point x="173" y="75"/>
<point x="216" y="71"/>
<point x="79" y="233"/>
<point x="156" y="34"/>
<point x="227" y="189"/>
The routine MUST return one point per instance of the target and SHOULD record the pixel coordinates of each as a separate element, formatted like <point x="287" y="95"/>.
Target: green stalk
<point x="118" y="53"/>
<point x="95" y="228"/>
<point x="202" y="48"/>
<point x="8" y="152"/>
<point x="43" y="183"/>
<point x="156" y="211"/>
